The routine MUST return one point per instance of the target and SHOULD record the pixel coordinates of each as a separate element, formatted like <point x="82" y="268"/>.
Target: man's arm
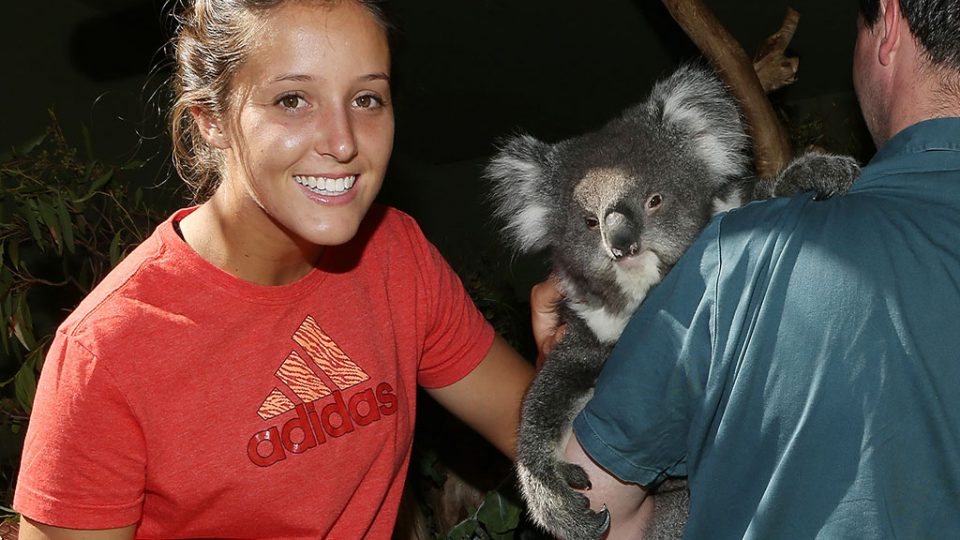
<point x="545" y="297"/>
<point x="488" y="398"/>
<point x="631" y="510"/>
<point x="31" y="530"/>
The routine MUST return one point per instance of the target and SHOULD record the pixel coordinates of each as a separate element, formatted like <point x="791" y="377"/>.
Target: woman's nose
<point x="335" y="135"/>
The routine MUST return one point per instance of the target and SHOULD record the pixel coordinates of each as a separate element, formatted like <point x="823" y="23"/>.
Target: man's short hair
<point x="935" y="24"/>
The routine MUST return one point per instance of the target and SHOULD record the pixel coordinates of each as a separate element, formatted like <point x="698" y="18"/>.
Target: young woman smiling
<point x="250" y="370"/>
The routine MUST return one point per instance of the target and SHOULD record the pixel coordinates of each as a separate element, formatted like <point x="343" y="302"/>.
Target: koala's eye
<point x="592" y="223"/>
<point x="654" y="201"/>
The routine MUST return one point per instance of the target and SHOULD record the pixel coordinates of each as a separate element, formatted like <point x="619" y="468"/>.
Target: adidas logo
<point x="334" y="373"/>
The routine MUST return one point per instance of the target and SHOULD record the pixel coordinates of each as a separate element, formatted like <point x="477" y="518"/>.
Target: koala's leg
<point x="825" y="174"/>
<point x="557" y="394"/>
<point x="672" y="505"/>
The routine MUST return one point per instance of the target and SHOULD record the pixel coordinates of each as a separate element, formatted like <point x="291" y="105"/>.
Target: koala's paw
<point x="556" y="506"/>
<point x="826" y="174"/>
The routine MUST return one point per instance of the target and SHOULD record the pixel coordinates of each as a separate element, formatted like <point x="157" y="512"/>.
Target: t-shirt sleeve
<point x="83" y="458"/>
<point x="637" y="422"/>
<point x="457" y="336"/>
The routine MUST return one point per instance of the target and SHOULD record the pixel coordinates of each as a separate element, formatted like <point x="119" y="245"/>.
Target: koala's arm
<point x="825" y="174"/>
<point x="631" y="510"/>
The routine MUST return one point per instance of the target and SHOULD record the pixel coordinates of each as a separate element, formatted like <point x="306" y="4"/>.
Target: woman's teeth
<point x="326" y="186"/>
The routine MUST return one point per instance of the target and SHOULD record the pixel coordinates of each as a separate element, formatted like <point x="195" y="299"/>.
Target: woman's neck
<point x="245" y="242"/>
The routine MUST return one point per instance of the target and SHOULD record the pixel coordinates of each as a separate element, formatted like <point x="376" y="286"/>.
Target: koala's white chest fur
<point x="634" y="278"/>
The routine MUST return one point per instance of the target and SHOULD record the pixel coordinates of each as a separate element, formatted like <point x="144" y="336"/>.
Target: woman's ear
<point x="211" y="128"/>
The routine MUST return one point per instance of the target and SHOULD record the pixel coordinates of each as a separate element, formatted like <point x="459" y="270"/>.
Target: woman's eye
<point x="367" y="101"/>
<point x="291" y="101"/>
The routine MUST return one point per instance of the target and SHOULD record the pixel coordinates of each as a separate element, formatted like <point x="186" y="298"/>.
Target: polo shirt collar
<point x="932" y="134"/>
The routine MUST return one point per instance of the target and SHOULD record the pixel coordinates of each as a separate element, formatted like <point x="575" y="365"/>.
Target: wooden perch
<point x="771" y="145"/>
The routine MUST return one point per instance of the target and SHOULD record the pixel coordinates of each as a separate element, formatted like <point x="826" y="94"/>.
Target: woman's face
<point x="311" y="129"/>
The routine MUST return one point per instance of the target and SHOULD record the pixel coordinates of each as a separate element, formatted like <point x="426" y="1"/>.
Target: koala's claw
<point x="556" y="506"/>
<point x="826" y="174"/>
<point x="605" y="514"/>
<point x="574" y="475"/>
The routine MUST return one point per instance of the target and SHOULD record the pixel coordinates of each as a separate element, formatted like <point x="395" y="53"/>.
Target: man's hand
<point x="547" y="330"/>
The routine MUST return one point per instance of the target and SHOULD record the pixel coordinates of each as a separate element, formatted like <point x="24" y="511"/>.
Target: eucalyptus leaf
<point x="87" y="142"/>
<point x="499" y="514"/>
<point x="115" y="249"/>
<point x="49" y="217"/>
<point x="29" y="213"/>
<point x="13" y="252"/>
<point x="96" y="185"/>
<point x="27" y="147"/>
<point x="23" y="327"/>
<point x="6" y="282"/>
<point x="25" y="386"/>
<point x="66" y="226"/>
<point x="464" y="530"/>
<point x="133" y="164"/>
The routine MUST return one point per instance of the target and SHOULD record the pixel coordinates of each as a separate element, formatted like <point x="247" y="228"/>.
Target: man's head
<point x="907" y="63"/>
<point x="934" y="23"/>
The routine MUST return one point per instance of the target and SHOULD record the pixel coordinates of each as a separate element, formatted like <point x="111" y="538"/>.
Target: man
<point x="801" y="363"/>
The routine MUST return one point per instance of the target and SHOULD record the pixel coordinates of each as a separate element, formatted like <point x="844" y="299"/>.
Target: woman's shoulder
<point x="130" y="294"/>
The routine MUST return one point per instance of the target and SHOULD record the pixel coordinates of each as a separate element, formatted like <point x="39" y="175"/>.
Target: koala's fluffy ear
<point x="694" y="105"/>
<point x="521" y="190"/>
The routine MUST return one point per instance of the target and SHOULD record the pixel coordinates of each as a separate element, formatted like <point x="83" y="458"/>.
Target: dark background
<point x="465" y="74"/>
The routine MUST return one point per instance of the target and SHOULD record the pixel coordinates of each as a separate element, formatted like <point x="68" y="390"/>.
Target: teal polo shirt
<point x="801" y="363"/>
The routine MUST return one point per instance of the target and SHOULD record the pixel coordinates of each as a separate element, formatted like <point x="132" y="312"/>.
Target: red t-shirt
<point x="198" y="405"/>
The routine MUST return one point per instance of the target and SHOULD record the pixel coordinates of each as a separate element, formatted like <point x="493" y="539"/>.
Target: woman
<point x="250" y="370"/>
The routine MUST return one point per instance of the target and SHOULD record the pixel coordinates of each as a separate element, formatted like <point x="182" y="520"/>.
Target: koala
<point x="617" y="207"/>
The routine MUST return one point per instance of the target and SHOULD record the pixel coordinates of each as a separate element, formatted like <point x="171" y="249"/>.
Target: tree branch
<point x="774" y="68"/>
<point x="771" y="145"/>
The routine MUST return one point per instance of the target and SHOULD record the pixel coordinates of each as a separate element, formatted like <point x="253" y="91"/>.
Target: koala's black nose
<point x="622" y="235"/>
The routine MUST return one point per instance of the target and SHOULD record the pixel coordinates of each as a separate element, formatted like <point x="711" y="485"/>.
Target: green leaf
<point x="66" y="226"/>
<point x="4" y="318"/>
<point x="23" y="322"/>
<point x="27" y="147"/>
<point x="6" y="281"/>
<point x="115" y="249"/>
<point x="30" y="214"/>
<point x="96" y="185"/>
<point x="133" y="164"/>
<point x="464" y="530"/>
<point x="13" y="252"/>
<point x="87" y="142"/>
<point x="49" y="217"/>
<point x="428" y="466"/>
<point x="25" y="386"/>
<point x="498" y="514"/>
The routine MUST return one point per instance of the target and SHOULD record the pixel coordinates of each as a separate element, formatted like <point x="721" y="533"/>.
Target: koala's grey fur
<point x="616" y="208"/>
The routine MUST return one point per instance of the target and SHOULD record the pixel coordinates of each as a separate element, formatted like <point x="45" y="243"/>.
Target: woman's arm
<point x="31" y="530"/>
<point x="488" y="398"/>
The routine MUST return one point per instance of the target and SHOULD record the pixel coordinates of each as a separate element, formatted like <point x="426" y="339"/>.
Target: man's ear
<point x="891" y="19"/>
<point x="211" y="128"/>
